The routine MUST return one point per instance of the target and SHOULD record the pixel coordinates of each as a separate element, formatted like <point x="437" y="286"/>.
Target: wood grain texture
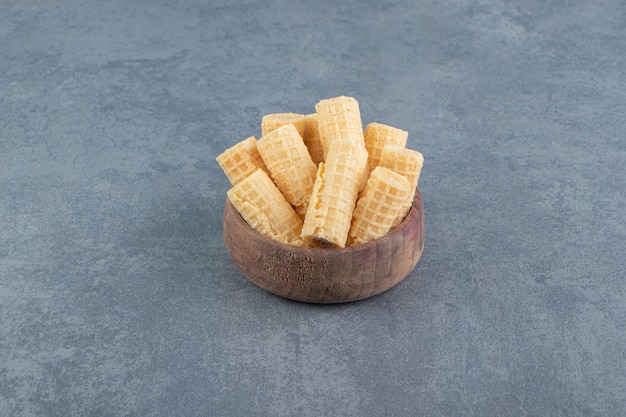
<point x="318" y="275"/>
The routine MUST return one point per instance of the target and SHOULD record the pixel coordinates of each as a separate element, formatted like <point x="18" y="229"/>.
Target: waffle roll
<point x="406" y="162"/>
<point x="339" y="118"/>
<point x="241" y="160"/>
<point x="290" y="165"/>
<point x="273" y="121"/>
<point x="336" y="188"/>
<point x="379" y="205"/>
<point x="377" y="135"/>
<point x="265" y="209"/>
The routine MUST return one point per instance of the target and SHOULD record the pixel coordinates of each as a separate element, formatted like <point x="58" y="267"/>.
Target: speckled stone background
<point x="117" y="295"/>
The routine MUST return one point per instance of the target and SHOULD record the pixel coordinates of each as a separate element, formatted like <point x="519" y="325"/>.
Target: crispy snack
<point x="377" y="135"/>
<point x="290" y="165"/>
<point x="241" y="160"/>
<point x="265" y="209"/>
<point x="334" y="195"/>
<point x="379" y="205"/>
<point x="339" y="118"/>
<point x="312" y="138"/>
<point x="276" y="120"/>
<point x="305" y="182"/>
<point x="406" y="162"/>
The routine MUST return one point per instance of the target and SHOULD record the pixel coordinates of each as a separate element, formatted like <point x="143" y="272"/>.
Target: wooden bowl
<point x="319" y="275"/>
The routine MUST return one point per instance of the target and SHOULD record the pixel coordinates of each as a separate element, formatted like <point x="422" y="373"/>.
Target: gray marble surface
<point x="117" y="295"/>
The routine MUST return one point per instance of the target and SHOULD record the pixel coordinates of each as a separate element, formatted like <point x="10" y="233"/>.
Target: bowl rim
<point x="416" y="206"/>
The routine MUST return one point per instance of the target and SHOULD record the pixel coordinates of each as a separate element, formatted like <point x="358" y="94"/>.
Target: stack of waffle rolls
<point x="320" y="179"/>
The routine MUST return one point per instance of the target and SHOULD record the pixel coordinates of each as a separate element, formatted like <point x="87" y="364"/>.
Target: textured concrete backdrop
<point x="117" y="296"/>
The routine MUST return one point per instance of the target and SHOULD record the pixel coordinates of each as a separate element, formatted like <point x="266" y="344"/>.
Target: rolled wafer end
<point x="273" y="121"/>
<point x="290" y="165"/>
<point x="378" y="135"/>
<point x="241" y="160"/>
<point x="339" y="118"/>
<point x="379" y="205"/>
<point x="264" y="208"/>
<point x="406" y="162"/>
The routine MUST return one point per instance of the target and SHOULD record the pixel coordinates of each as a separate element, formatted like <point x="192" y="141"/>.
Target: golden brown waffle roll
<point x="312" y="138"/>
<point x="377" y="135"/>
<point x="339" y="118"/>
<point x="290" y="165"/>
<point x="265" y="209"/>
<point x="379" y="205"/>
<point x="275" y="120"/>
<point x="334" y="195"/>
<point x="241" y="160"/>
<point x="406" y="162"/>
